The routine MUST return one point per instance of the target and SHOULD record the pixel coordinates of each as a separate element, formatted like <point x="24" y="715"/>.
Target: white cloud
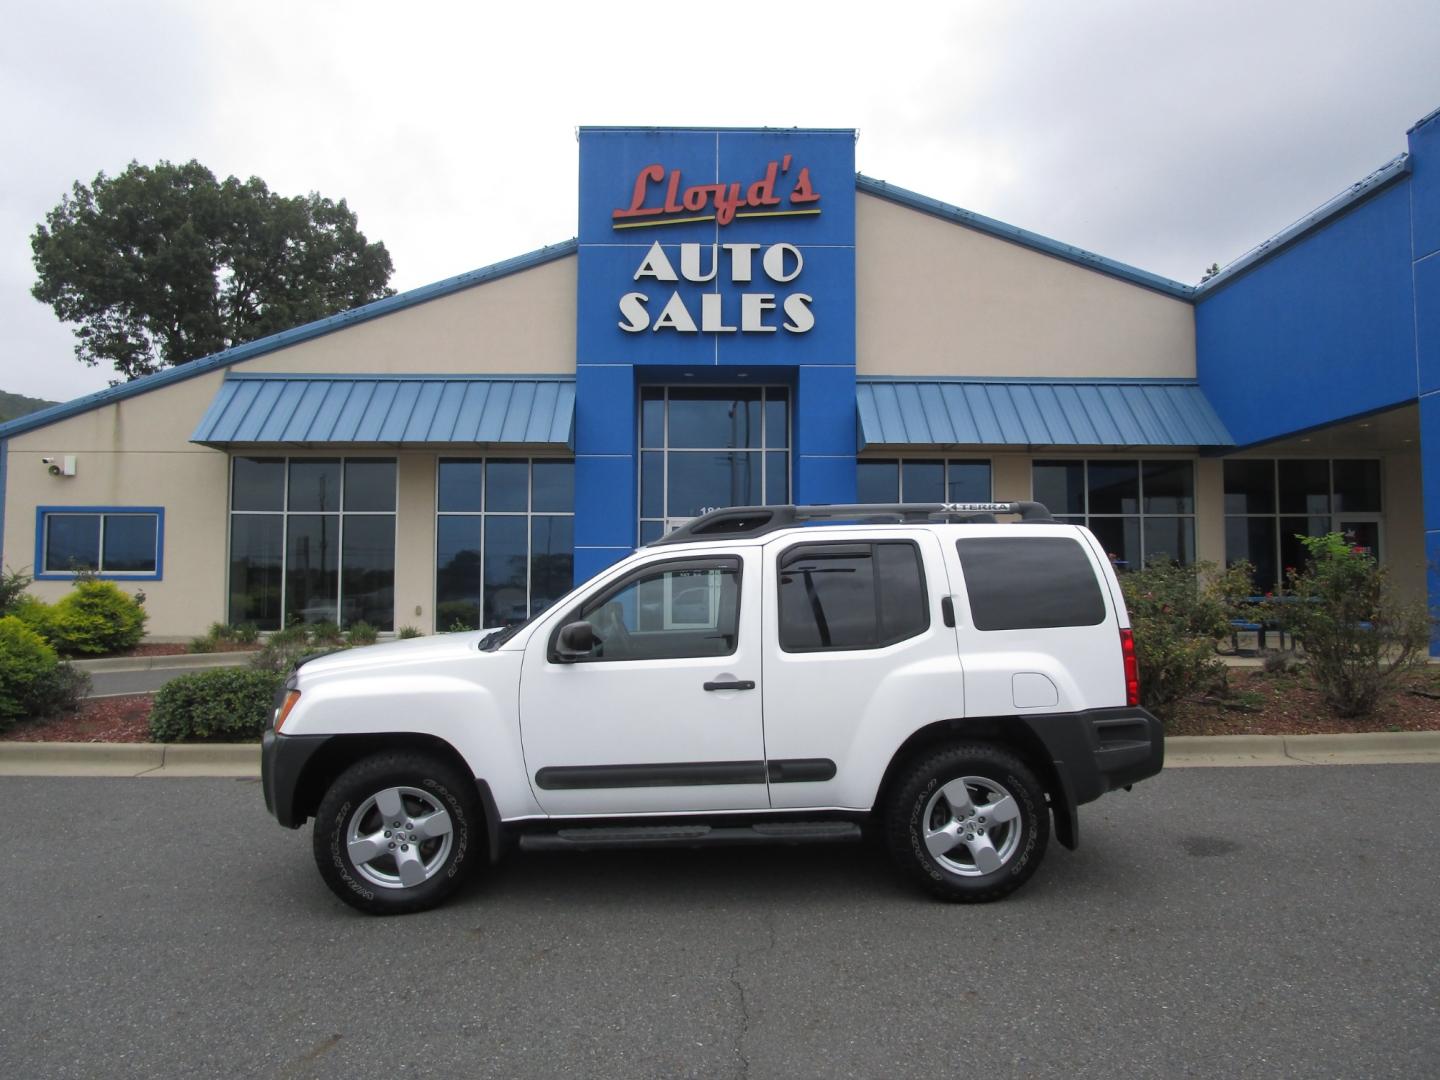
<point x="1164" y="136"/>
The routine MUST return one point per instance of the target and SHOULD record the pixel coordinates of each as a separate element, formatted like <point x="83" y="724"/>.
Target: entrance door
<point x="706" y="447"/>
<point x="663" y="715"/>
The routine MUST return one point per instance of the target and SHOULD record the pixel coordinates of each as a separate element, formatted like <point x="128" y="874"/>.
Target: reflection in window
<point x="1271" y="504"/>
<point x="504" y="539"/>
<point x="705" y="447"/>
<point x="1140" y="511"/>
<point x="850" y="596"/>
<point x="312" y="540"/>
<point x="119" y="542"/>
<point x="921" y="481"/>
<point x="668" y="613"/>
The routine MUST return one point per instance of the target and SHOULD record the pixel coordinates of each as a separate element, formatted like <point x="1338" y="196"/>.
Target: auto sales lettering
<point x="742" y="264"/>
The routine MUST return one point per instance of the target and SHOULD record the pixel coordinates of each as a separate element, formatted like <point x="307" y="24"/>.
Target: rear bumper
<point x="1094" y="752"/>
<point x="1099" y="750"/>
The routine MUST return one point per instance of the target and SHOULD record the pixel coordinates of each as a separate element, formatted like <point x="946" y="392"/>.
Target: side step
<point x="684" y="836"/>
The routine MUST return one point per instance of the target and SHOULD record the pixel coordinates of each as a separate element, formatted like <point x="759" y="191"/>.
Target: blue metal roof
<point x="1037" y="412"/>
<point x="398" y="410"/>
<point x="285" y="338"/>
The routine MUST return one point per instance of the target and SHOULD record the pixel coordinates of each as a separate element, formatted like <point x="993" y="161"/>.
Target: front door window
<point x="704" y="447"/>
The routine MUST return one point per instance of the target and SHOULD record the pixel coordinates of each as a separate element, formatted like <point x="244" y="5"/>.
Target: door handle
<point x="731" y="684"/>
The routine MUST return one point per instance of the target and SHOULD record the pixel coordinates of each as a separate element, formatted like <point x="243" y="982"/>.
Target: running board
<point x="683" y="836"/>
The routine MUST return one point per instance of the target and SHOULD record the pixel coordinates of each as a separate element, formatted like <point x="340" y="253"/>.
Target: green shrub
<point x="25" y="660"/>
<point x="220" y="631"/>
<point x="95" y="617"/>
<point x="409" y="632"/>
<point x="61" y="690"/>
<point x="326" y="633"/>
<point x="361" y="633"/>
<point x="225" y="705"/>
<point x="1357" y="635"/>
<point x="246" y="633"/>
<point x="33" y="682"/>
<point x="13" y="584"/>
<point x="36" y="614"/>
<point x="1177" y="614"/>
<point x="206" y="644"/>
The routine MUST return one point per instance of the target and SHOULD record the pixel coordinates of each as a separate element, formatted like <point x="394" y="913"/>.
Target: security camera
<point x="47" y="461"/>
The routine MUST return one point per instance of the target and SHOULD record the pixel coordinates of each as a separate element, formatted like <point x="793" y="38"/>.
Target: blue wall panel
<point x="1425" y="185"/>
<point x="803" y="188"/>
<point x="1319" y="332"/>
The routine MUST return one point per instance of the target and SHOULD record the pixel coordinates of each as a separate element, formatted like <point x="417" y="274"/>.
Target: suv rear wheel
<point x="395" y="833"/>
<point x="969" y="822"/>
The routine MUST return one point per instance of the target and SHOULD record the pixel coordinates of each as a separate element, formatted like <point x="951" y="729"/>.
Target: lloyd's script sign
<point x="658" y="199"/>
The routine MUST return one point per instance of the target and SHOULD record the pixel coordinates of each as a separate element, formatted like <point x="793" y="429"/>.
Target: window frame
<point x="285" y="513"/>
<point x="666" y="521"/>
<point x="1277" y="514"/>
<point x="529" y="514"/>
<point x="872" y="544"/>
<point x="44" y="513"/>
<point x="946" y="462"/>
<point x="1140" y="516"/>
<point x="606" y="593"/>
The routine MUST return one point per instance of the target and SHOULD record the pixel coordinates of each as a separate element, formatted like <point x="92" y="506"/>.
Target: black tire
<point x="351" y="811"/>
<point x="918" y="806"/>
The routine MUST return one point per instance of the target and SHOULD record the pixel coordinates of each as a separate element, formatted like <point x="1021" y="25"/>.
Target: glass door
<point x="706" y="447"/>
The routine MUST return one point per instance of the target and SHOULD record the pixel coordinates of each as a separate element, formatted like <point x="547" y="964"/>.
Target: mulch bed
<point x="106" y="719"/>
<point x="1258" y="703"/>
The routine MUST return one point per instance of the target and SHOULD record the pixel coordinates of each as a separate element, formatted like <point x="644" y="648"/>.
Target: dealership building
<point x="743" y="320"/>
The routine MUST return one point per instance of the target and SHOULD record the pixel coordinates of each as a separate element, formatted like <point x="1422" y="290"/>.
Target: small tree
<point x="1177" y="614"/>
<point x="1357" y="635"/>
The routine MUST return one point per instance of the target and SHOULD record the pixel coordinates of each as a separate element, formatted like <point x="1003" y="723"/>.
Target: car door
<point x="663" y="715"/>
<point x="858" y="655"/>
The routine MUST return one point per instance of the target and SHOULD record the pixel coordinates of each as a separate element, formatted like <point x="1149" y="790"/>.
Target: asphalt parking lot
<point x="1216" y="922"/>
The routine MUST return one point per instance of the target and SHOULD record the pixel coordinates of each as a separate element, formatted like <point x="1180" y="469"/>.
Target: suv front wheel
<point x="396" y="833"/>
<point x="969" y="822"/>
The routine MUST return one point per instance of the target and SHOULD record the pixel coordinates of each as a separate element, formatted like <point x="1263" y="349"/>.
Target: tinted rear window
<point x="1030" y="583"/>
<point x="851" y="596"/>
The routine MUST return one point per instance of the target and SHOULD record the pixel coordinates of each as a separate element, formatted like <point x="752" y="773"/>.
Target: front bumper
<point x="283" y="759"/>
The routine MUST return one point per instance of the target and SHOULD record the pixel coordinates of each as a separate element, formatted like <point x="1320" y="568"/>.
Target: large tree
<point x="158" y="266"/>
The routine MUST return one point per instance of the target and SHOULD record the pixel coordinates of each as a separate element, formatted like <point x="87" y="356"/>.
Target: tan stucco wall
<point x="937" y="298"/>
<point x="1403" y="539"/>
<point x="520" y="324"/>
<point x="134" y="453"/>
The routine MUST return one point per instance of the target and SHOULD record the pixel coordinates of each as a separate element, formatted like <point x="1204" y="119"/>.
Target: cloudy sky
<point x="1167" y="136"/>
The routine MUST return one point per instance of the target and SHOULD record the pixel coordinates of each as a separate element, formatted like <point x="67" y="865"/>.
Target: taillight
<point x="1132" y="668"/>
<point x="291" y="697"/>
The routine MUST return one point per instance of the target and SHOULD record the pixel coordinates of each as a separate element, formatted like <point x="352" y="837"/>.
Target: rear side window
<point x="851" y="596"/>
<point x="1030" y="583"/>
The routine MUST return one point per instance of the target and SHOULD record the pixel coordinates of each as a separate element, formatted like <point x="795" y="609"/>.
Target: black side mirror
<point x="576" y="639"/>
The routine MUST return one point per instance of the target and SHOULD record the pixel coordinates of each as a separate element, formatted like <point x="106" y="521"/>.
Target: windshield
<point x="493" y="640"/>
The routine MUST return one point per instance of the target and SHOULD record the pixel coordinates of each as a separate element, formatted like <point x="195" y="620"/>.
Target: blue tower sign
<point x="710" y="259"/>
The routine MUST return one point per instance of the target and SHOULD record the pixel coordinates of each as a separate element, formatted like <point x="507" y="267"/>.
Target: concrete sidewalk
<point x="113" y="676"/>
<point x="242" y="760"/>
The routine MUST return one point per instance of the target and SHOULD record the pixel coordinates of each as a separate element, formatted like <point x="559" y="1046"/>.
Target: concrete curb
<point x="242" y="760"/>
<point x="185" y="661"/>
<point x="1366" y="748"/>
<point x="130" y="759"/>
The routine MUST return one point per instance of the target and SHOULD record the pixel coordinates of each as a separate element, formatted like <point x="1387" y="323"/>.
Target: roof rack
<point x="742" y="522"/>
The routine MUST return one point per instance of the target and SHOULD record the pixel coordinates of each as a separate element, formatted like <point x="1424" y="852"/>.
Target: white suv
<point x="763" y="674"/>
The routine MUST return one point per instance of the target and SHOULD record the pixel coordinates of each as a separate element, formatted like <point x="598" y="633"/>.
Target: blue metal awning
<point x="1037" y="412"/>
<point x="391" y="410"/>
